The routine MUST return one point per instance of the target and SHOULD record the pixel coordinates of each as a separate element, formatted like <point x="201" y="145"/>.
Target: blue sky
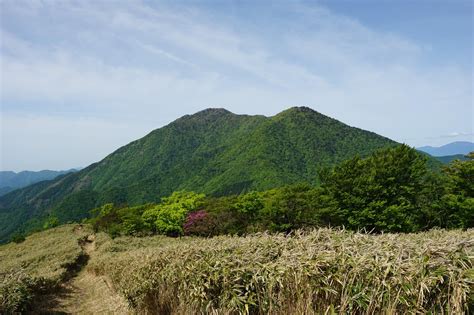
<point x="80" y="79"/>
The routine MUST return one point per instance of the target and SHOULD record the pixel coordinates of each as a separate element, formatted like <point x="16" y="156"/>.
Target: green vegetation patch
<point x="391" y="190"/>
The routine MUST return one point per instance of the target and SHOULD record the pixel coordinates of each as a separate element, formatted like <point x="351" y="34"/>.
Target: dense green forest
<point x="392" y="190"/>
<point x="214" y="152"/>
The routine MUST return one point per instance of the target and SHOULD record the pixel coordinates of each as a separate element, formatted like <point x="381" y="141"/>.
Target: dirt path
<point x="85" y="293"/>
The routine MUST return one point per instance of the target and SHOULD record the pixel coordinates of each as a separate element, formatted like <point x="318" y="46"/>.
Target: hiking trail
<point x="84" y="292"/>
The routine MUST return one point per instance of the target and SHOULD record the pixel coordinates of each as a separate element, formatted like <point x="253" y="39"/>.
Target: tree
<point x="458" y="202"/>
<point x="381" y="192"/>
<point x="249" y="204"/>
<point x="168" y="216"/>
<point x="461" y="174"/>
<point x="199" y="223"/>
<point x="51" y="222"/>
<point x="290" y="208"/>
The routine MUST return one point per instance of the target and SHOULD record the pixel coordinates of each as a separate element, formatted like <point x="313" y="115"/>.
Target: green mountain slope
<point x="213" y="151"/>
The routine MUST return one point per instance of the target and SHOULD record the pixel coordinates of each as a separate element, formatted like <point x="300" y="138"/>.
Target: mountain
<point x="453" y="148"/>
<point x="11" y="180"/>
<point x="449" y="158"/>
<point x="213" y="151"/>
<point x="6" y="189"/>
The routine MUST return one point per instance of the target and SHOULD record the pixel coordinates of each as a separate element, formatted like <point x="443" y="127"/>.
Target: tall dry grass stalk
<point x="318" y="272"/>
<point x="38" y="264"/>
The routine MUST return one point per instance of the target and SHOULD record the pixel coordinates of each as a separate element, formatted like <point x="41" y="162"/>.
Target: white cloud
<point x="457" y="134"/>
<point x="149" y="65"/>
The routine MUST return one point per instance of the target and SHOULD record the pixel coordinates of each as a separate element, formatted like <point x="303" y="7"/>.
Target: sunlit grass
<point x="38" y="264"/>
<point x="305" y="273"/>
<point x="320" y="271"/>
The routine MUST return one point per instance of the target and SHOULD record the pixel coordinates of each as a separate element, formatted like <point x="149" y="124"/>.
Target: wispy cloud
<point x="458" y="134"/>
<point x="147" y="63"/>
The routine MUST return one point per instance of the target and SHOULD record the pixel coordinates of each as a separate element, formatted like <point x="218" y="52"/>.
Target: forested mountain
<point x="213" y="151"/>
<point x="11" y="180"/>
<point x="453" y="148"/>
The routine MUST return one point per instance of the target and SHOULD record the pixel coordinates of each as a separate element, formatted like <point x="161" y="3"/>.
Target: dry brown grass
<point x="38" y="264"/>
<point x="323" y="271"/>
<point x="85" y="293"/>
<point x="318" y="272"/>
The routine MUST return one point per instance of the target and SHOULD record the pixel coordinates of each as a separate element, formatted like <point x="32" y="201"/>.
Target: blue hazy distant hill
<point x="449" y="158"/>
<point x="453" y="148"/>
<point x="10" y="181"/>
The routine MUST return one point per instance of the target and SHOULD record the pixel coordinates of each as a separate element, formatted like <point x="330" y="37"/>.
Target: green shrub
<point x="290" y="208"/>
<point x="17" y="290"/>
<point x="18" y="237"/>
<point x="458" y="202"/>
<point x="381" y="192"/>
<point x="51" y="222"/>
<point x="168" y="216"/>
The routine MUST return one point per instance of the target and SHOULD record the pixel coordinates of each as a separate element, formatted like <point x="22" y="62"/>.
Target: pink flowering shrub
<point x="199" y="223"/>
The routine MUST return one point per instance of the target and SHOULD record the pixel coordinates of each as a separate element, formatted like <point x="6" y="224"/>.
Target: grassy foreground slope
<point x="314" y="272"/>
<point x="322" y="271"/>
<point x="38" y="265"/>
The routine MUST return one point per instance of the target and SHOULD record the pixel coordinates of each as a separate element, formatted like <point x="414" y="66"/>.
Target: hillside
<point x="453" y="148"/>
<point x="449" y="158"/>
<point x="213" y="151"/>
<point x="11" y="180"/>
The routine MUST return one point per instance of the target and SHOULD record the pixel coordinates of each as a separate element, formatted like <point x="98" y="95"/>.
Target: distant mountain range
<point x="449" y="158"/>
<point x="11" y="180"/>
<point x="213" y="151"/>
<point x="453" y="148"/>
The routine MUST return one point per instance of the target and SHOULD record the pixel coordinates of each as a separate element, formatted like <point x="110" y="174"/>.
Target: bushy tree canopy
<point x="458" y="202"/>
<point x="168" y="216"/>
<point x="389" y="191"/>
<point x="380" y="192"/>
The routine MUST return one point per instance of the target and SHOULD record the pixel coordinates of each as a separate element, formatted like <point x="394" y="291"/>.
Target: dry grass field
<point x="322" y="271"/>
<point x="317" y="272"/>
<point x="45" y="274"/>
<point x="39" y="264"/>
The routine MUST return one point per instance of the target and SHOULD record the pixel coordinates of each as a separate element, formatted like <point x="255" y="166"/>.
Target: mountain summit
<point x="213" y="151"/>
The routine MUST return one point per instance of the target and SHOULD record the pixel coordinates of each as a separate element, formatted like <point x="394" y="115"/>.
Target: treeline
<point x="392" y="190"/>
